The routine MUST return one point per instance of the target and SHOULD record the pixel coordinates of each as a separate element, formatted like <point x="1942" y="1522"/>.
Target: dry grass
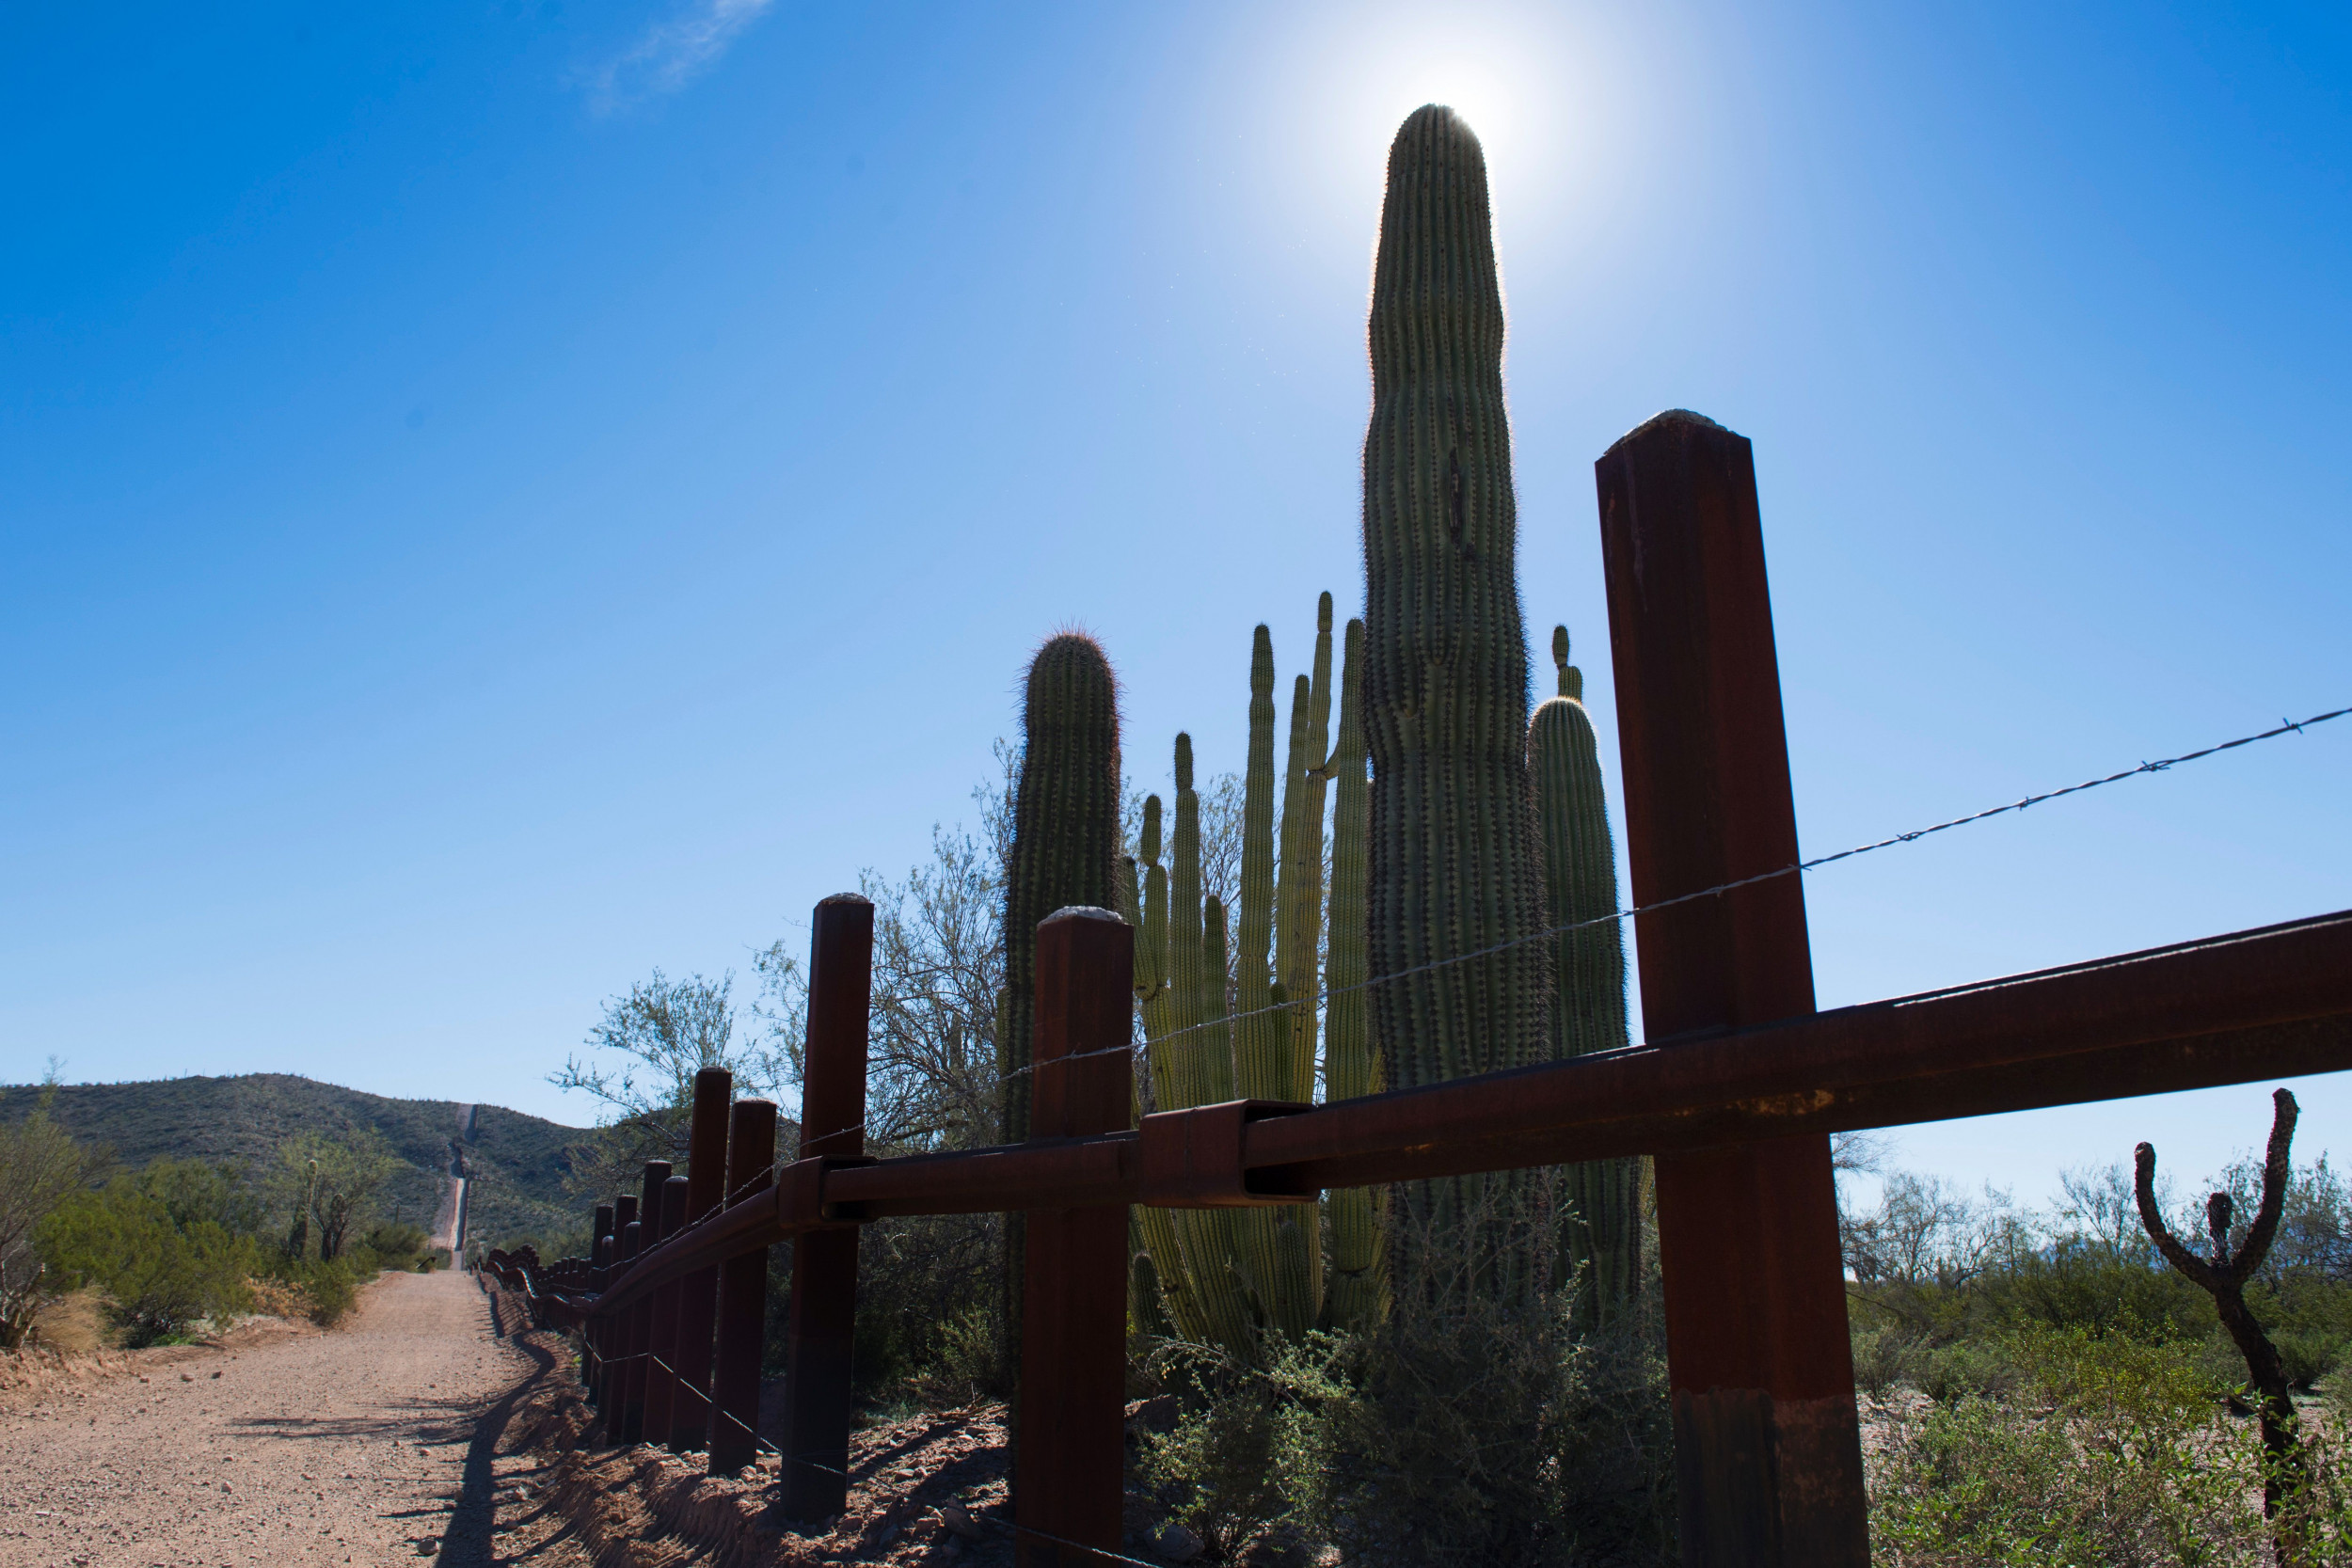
<point x="275" y="1298"/>
<point x="73" y="1323"/>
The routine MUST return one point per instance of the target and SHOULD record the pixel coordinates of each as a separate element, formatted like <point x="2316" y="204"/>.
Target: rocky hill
<point x="516" y="1163"/>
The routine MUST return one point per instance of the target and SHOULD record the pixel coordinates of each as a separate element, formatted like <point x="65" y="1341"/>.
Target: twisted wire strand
<point x="2285" y="726"/>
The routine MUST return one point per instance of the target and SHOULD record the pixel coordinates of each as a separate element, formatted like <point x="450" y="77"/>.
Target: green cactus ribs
<point x="1603" y="1230"/>
<point x="1233" y="1278"/>
<point x="1065" y="850"/>
<point x="1454" y="867"/>
<point x="1065" y="841"/>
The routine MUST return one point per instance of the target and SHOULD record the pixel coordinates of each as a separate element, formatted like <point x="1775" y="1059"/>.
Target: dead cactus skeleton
<point x="2223" y="1276"/>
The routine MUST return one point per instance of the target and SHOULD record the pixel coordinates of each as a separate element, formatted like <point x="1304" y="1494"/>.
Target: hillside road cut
<point x="383" y="1441"/>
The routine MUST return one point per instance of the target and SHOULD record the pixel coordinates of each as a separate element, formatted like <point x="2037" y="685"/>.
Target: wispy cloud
<point x="672" y="52"/>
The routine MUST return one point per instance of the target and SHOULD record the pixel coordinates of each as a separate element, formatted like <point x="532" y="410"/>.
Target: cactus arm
<point x="1604" y="1228"/>
<point x="1258" y="1036"/>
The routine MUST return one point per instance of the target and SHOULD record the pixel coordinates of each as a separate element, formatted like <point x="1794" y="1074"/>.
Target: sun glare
<point x="1472" y="87"/>
<point x="1534" y="86"/>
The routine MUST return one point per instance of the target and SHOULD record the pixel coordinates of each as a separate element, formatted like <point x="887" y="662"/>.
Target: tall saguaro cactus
<point x="1065" y="850"/>
<point x="1588" y="1014"/>
<point x="1454" y="864"/>
<point x="1065" y="834"/>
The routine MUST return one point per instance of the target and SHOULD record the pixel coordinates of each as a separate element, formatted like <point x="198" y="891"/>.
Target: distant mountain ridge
<point x="516" y="1163"/>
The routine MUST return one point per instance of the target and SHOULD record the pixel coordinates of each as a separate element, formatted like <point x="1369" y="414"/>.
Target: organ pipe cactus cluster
<point x="1229" y="1277"/>
<point x="1455" y="865"/>
<point x="1604" y="1230"/>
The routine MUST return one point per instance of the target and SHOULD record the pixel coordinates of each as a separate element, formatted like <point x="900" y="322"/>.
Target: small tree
<point x="2223" y="1276"/>
<point x="329" y="1184"/>
<point x="644" y="1054"/>
<point x="40" y="1167"/>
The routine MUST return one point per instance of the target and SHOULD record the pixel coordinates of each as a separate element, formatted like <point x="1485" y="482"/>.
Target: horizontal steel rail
<point x="2275" y="1002"/>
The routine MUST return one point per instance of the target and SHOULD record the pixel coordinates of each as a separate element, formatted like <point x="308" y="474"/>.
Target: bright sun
<point x="1472" y="87"/>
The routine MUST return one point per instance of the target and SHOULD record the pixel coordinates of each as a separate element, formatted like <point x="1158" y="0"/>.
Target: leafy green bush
<point x="155" y="1245"/>
<point x="394" y="1244"/>
<point x="1965" y="1368"/>
<point x="1243" y="1453"/>
<point x="1883" y="1356"/>
<point x="2111" y="1451"/>
<point x="329" y="1287"/>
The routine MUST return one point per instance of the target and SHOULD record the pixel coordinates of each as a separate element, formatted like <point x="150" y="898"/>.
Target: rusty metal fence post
<point x="742" y="1294"/>
<point x="662" y="1328"/>
<point x="620" y="1365"/>
<point x="1070" y="1449"/>
<point x="1766" y="1452"/>
<point x="611" y="1338"/>
<point x="821" y="1317"/>
<point x="698" y="1293"/>
<point x="640" y="1317"/>
<point x="600" y="1244"/>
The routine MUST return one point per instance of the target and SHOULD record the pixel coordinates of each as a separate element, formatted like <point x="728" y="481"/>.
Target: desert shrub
<point x="394" y="1244"/>
<point x="1473" y="1437"/>
<point x="2111" y="1451"/>
<point x="917" y="1276"/>
<point x="2071" y="1288"/>
<point x="1883" y="1356"/>
<point x="927" y="1293"/>
<point x="163" y="1260"/>
<point x="1977" y="1367"/>
<point x="329" y="1286"/>
<point x="1241" y="1455"/>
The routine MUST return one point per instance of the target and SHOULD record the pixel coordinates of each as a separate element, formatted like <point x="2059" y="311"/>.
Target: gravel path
<point x="382" y="1442"/>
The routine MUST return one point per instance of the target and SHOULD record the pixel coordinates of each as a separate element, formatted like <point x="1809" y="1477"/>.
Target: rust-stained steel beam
<point x="2274" y="1003"/>
<point x="821" y="1317"/>
<point x="698" y="1293"/>
<point x="741" y="1253"/>
<point x="1068" y="1451"/>
<point x="1767" y="1452"/>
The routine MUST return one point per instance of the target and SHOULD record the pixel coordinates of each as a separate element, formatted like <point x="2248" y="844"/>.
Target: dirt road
<point x="383" y="1442"/>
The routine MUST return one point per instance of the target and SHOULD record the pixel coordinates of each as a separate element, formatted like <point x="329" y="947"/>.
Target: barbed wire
<point x="2285" y="726"/>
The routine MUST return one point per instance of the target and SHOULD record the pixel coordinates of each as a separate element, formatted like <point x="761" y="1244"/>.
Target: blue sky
<point x="496" y="498"/>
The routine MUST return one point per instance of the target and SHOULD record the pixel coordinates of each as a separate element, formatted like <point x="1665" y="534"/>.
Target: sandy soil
<point x="384" y="1441"/>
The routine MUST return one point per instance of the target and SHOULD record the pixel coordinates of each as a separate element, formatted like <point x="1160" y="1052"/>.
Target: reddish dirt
<point x="384" y="1441"/>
